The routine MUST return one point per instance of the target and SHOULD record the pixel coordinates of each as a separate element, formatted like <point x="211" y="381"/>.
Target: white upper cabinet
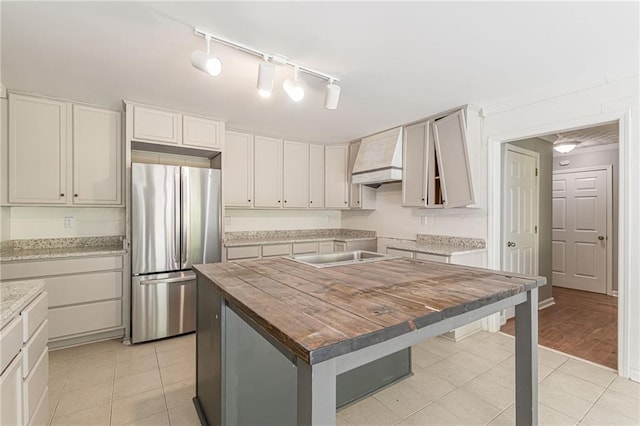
<point x="435" y="166"/>
<point x="267" y="172"/>
<point x="336" y="179"/>
<point x="165" y="127"/>
<point x="97" y="156"/>
<point x="153" y="124"/>
<point x="360" y="196"/>
<point x="316" y="176"/>
<point x="201" y="132"/>
<point x="238" y="169"/>
<point x="296" y="174"/>
<point x="64" y="153"/>
<point x="453" y="161"/>
<point x="38" y="143"/>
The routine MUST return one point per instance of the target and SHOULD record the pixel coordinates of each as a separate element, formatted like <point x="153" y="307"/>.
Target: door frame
<point x="609" y="185"/>
<point x="536" y="211"/>
<point x="626" y="207"/>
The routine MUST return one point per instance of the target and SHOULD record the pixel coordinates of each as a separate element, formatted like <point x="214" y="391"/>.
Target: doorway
<point x="576" y="235"/>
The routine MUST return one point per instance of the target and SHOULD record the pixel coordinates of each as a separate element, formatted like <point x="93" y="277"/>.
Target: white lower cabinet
<point x="325" y="247"/>
<point x="339" y="246"/>
<point x="23" y="383"/>
<point x="85" y="297"/>
<point x="277" y="250"/>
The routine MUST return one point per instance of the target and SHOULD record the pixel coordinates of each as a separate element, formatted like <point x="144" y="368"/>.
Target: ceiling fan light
<point x="565" y="147"/>
<point x="331" y="96"/>
<point x="266" y="74"/>
<point x="206" y="62"/>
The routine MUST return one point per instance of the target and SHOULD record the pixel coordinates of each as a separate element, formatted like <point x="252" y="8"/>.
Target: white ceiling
<point x="397" y="62"/>
<point x="591" y="136"/>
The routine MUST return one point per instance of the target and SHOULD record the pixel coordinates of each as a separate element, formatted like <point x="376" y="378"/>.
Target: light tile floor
<point x="466" y="383"/>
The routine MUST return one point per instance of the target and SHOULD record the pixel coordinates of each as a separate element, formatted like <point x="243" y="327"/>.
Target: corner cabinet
<point x="436" y="171"/>
<point x="336" y="181"/>
<point x="238" y="169"/>
<point x="63" y="154"/>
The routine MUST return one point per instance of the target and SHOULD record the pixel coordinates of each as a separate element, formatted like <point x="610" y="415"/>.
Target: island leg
<point x="527" y="360"/>
<point x="317" y="393"/>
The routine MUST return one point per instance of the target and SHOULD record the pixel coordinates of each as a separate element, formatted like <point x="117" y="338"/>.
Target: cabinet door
<point x="336" y="192"/>
<point x="97" y="156"/>
<point x="201" y="132"/>
<point x="296" y="174"/>
<point x="316" y="176"/>
<point x="453" y="162"/>
<point x="156" y="125"/>
<point x="11" y="391"/>
<point x="38" y="143"/>
<point x="414" y="165"/>
<point x="355" y="190"/>
<point x="268" y="172"/>
<point x="238" y="169"/>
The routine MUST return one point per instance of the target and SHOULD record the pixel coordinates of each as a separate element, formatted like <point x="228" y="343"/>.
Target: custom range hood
<point x="379" y="159"/>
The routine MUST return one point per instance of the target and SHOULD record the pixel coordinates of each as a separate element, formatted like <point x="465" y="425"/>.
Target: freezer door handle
<point x="178" y="219"/>
<point x="167" y="280"/>
<point x="186" y="218"/>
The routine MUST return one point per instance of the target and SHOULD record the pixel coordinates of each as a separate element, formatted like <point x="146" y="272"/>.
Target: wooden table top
<point x="320" y="313"/>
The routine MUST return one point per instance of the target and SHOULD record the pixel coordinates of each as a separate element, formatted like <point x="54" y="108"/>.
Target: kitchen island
<point x="318" y="323"/>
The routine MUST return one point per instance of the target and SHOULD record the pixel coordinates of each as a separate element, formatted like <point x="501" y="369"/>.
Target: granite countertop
<point x="15" y="295"/>
<point x="51" y="248"/>
<point x="236" y="239"/>
<point x="441" y="245"/>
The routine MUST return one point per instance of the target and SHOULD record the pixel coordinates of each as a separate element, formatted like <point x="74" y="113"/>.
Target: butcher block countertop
<point x="321" y="313"/>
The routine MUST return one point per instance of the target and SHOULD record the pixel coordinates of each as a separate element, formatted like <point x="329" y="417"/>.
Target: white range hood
<point x="379" y="159"/>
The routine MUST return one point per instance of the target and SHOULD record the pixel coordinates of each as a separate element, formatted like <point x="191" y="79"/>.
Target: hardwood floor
<point x="581" y="323"/>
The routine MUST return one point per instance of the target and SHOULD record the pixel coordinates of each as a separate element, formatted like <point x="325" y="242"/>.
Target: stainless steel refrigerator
<point x="175" y="222"/>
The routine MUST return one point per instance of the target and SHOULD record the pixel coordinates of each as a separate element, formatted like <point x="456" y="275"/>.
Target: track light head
<point x="206" y="62"/>
<point x="266" y="73"/>
<point x="293" y="88"/>
<point x="331" y="95"/>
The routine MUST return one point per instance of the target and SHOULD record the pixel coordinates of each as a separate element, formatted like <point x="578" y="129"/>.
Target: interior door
<point x="580" y="230"/>
<point x="520" y="218"/>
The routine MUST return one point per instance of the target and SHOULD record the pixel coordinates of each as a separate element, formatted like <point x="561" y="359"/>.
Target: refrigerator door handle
<point x="178" y="218"/>
<point x="186" y="219"/>
<point x="167" y="280"/>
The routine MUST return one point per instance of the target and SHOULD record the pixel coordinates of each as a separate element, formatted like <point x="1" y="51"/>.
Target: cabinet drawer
<point x="84" y="318"/>
<point x="40" y="416"/>
<point x="34" y="385"/>
<point x="234" y="253"/>
<point x="34" y="347"/>
<point x="300" y="248"/>
<point x="276" y="250"/>
<point x="73" y="289"/>
<point x="10" y="342"/>
<point x="339" y="246"/>
<point x="432" y="257"/>
<point x="33" y="315"/>
<point x="400" y="253"/>
<point x="21" y="270"/>
<point x="11" y="391"/>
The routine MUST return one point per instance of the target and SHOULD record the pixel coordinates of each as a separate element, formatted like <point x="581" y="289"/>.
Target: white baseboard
<point x="634" y="374"/>
<point x="546" y="303"/>
<point x="614" y="293"/>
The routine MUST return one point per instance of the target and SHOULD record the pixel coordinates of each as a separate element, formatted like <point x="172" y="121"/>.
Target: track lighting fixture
<point x="331" y="95"/>
<point x="292" y="87"/>
<point x="205" y="61"/>
<point x="266" y="71"/>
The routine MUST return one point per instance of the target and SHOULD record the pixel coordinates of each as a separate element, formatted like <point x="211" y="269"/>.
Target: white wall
<point x="604" y="102"/>
<point x="48" y="222"/>
<point x="5" y="223"/>
<point x="390" y="219"/>
<point x="269" y="220"/>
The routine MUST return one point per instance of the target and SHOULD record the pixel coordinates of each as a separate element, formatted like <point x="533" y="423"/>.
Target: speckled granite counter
<point x="253" y="238"/>
<point x="51" y="248"/>
<point x="16" y="295"/>
<point x="441" y="245"/>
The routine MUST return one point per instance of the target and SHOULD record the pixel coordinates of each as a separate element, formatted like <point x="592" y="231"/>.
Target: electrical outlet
<point x="69" y="222"/>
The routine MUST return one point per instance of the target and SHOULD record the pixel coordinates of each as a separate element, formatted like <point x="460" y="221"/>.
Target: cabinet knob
<point x="423" y="199"/>
<point x="311" y="202"/>
<point x="285" y="201"/>
<point x="62" y="195"/>
<point x="75" y="195"/>
<point x="249" y="200"/>
<point x="358" y="202"/>
<point x="278" y="201"/>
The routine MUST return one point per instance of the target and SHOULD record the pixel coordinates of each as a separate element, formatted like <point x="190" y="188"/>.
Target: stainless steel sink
<point x="326" y="260"/>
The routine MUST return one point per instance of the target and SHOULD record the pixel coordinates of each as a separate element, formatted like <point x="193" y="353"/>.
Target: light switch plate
<point x="69" y="222"/>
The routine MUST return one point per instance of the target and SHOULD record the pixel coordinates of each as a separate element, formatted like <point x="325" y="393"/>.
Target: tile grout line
<point x="597" y="399"/>
<point x="164" y="396"/>
<point x="66" y="377"/>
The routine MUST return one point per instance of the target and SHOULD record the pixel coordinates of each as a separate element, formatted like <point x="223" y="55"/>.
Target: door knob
<point x="601" y="237"/>
<point x="511" y="244"/>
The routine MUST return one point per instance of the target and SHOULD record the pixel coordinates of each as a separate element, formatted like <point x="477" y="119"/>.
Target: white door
<point x="580" y="230"/>
<point x="296" y="174"/>
<point x="238" y="164"/>
<point x="520" y="218"/>
<point x="267" y="176"/>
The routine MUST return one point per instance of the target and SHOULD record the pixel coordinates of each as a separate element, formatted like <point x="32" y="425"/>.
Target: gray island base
<point x="279" y="342"/>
